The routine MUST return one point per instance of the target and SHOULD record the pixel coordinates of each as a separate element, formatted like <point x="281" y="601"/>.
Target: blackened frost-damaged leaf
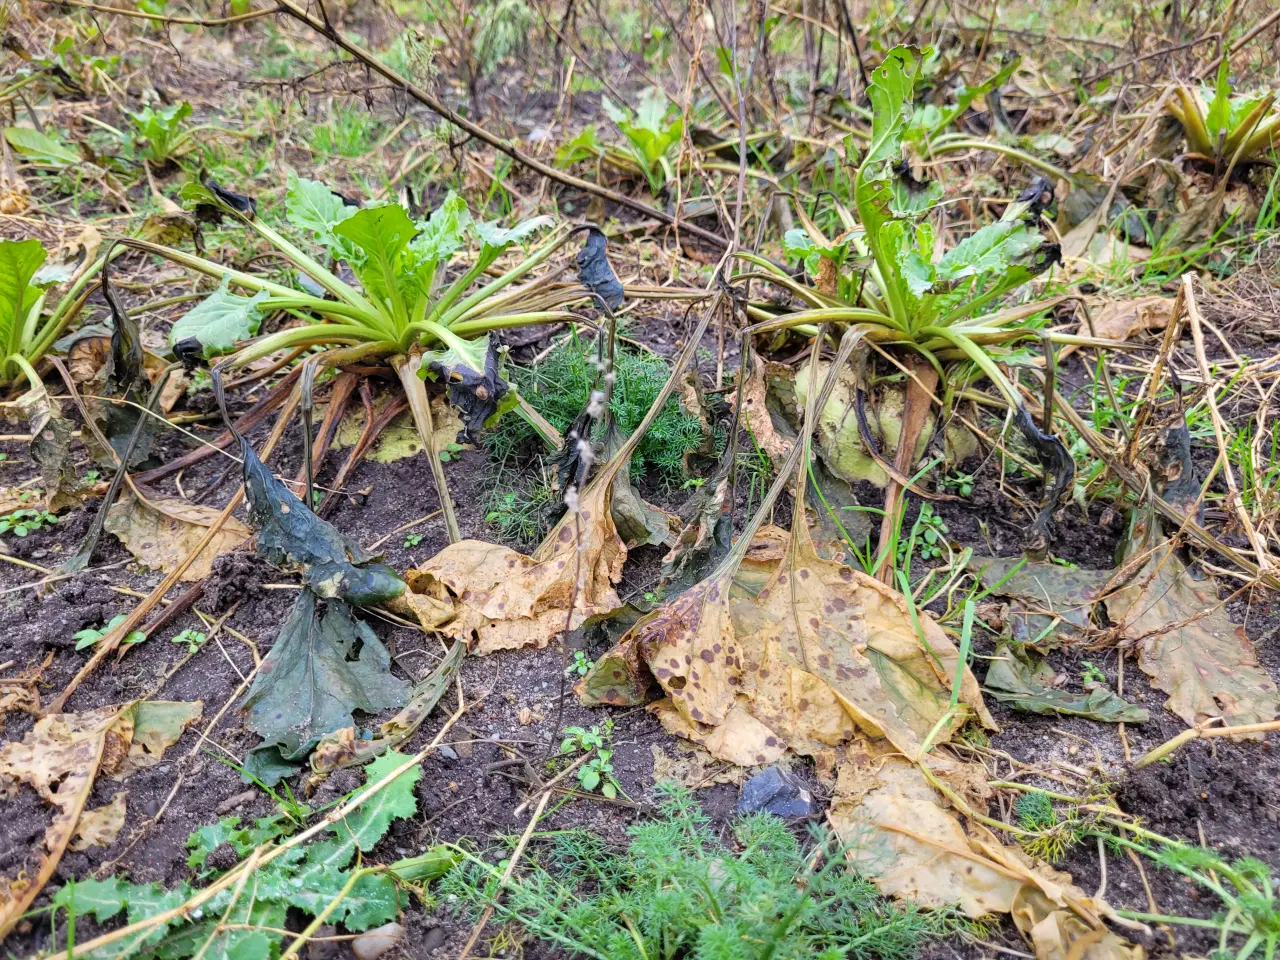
<point x="596" y="273"/>
<point x="289" y="534"/>
<point x="323" y="665"/>
<point x="211" y="200"/>
<point x="470" y="372"/>
<point x="1014" y="679"/>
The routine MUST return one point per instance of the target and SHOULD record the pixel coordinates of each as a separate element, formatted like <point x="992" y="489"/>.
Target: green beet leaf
<point x="220" y="321"/>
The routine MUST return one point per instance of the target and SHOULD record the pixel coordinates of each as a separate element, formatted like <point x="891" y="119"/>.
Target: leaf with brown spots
<point x="100" y="827"/>
<point x="1051" y="604"/>
<point x="904" y="836"/>
<point x="1187" y="643"/>
<point x="818" y="652"/>
<point x="60" y="758"/>
<point x="161" y="531"/>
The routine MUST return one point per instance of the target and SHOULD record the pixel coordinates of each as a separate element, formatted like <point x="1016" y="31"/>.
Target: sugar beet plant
<point x="406" y="309"/>
<point x="881" y="276"/>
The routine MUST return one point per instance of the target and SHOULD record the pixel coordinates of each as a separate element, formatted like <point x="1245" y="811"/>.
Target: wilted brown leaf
<point x="693" y="766"/>
<point x="60" y="758"/>
<point x="1121" y="319"/>
<point x="399" y="439"/>
<point x="50" y="444"/>
<point x="638" y="522"/>
<point x="100" y="827"/>
<point x="1187" y="643"/>
<point x="162" y="531"/>
<point x="820" y="651"/>
<point x="755" y="410"/>
<point x="493" y="598"/>
<point x="903" y="835"/>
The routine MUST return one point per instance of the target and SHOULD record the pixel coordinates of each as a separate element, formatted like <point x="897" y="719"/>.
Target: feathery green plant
<point x="678" y="892"/>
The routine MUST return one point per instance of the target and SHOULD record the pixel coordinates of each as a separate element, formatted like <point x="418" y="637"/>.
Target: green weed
<point x="22" y="522"/>
<point x="677" y="891"/>
<point x="91" y="635"/>
<point x="560" y="386"/>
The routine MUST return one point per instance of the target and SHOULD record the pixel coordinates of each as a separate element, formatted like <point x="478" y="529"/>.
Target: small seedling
<point x="598" y="771"/>
<point x="413" y="539"/>
<point x="580" y="664"/>
<point x="450" y="452"/>
<point x="1089" y="674"/>
<point x="162" y="131"/>
<point x="961" y="483"/>
<point x="194" y="639"/>
<point x="928" y="534"/>
<point x="89" y="636"/>
<point x="693" y="483"/>
<point x="22" y="522"/>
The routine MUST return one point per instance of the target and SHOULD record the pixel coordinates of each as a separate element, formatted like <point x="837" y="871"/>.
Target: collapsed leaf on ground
<point x="1051" y="604"/>
<point x="703" y="540"/>
<point x="692" y="766"/>
<point x="344" y="749"/>
<point x="101" y="826"/>
<point x="161" y="532"/>
<point x="469" y="371"/>
<point x="1024" y="685"/>
<point x="60" y="757"/>
<point x="1187" y="643"/>
<point x="1123" y="319"/>
<point x="50" y="444"/>
<point x="638" y="522"/>
<point x="21" y="692"/>
<point x="290" y="534"/>
<point x="819" y="652"/>
<point x="399" y="439"/>
<point x="494" y="598"/>
<point x="902" y="834"/>
<point x="325" y="664"/>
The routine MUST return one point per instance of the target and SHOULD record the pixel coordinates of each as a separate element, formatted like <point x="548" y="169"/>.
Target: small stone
<point x="377" y="941"/>
<point x="775" y="791"/>
<point x="447" y="752"/>
<point x="434" y="940"/>
<point x="322" y="948"/>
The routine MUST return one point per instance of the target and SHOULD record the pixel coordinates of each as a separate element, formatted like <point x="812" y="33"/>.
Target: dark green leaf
<point x="289" y="533"/>
<point x="324" y="665"/>
<point x="1014" y="678"/>
<point x="596" y="273"/>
